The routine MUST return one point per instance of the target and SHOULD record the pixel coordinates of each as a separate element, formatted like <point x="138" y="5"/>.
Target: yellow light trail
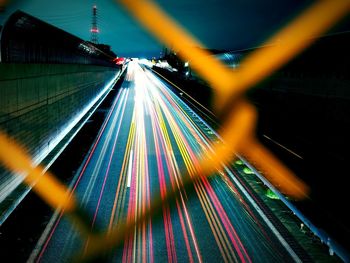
<point x="228" y="85"/>
<point x="217" y="229"/>
<point x="121" y="191"/>
<point x="192" y="165"/>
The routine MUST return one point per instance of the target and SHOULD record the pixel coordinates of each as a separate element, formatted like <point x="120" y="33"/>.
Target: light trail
<point x="316" y="19"/>
<point x="148" y="140"/>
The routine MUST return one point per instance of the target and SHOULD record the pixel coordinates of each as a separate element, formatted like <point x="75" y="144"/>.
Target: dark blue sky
<point x="220" y="24"/>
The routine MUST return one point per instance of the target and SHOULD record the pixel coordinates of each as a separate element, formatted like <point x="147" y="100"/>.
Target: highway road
<point x="149" y="136"/>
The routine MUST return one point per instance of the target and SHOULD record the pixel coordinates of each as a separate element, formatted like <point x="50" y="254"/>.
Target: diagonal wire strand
<point x="237" y="131"/>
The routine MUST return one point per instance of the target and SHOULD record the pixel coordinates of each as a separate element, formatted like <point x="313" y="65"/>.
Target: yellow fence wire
<point x="228" y="85"/>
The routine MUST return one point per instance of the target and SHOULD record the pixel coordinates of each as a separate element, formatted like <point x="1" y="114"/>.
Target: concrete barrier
<point x="40" y="105"/>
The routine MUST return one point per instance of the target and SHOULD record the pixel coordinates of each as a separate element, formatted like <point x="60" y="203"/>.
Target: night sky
<point x="219" y="24"/>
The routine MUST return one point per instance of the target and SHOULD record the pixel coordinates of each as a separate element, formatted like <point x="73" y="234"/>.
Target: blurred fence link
<point x="238" y="116"/>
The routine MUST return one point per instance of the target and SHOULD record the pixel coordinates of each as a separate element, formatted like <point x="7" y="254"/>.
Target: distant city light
<point x="146" y="62"/>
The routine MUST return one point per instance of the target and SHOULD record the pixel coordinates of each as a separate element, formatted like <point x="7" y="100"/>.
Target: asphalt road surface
<point x="148" y="138"/>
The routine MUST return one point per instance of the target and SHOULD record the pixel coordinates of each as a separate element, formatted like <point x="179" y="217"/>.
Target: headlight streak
<point x="189" y="157"/>
<point x="203" y="187"/>
<point x="86" y="233"/>
<point x="189" y="122"/>
<point x="139" y="199"/>
<point x="120" y="194"/>
<point x="195" y="129"/>
<point x="115" y="129"/>
<point x="160" y="132"/>
<point x="170" y="119"/>
<point x="184" y="117"/>
<point x="242" y="113"/>
<point x="172" y="132"/>
<point x="180" y="107"/>
<point x="222" y="228"/>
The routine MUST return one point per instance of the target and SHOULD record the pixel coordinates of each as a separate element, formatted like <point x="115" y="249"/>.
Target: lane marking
<point x="129" y="170"/>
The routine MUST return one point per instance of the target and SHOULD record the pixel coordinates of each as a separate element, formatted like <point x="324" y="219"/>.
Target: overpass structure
<point x="150" y="135"/>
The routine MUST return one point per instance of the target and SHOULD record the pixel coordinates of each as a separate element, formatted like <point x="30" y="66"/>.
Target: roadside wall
<point x="40" y="103"/>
